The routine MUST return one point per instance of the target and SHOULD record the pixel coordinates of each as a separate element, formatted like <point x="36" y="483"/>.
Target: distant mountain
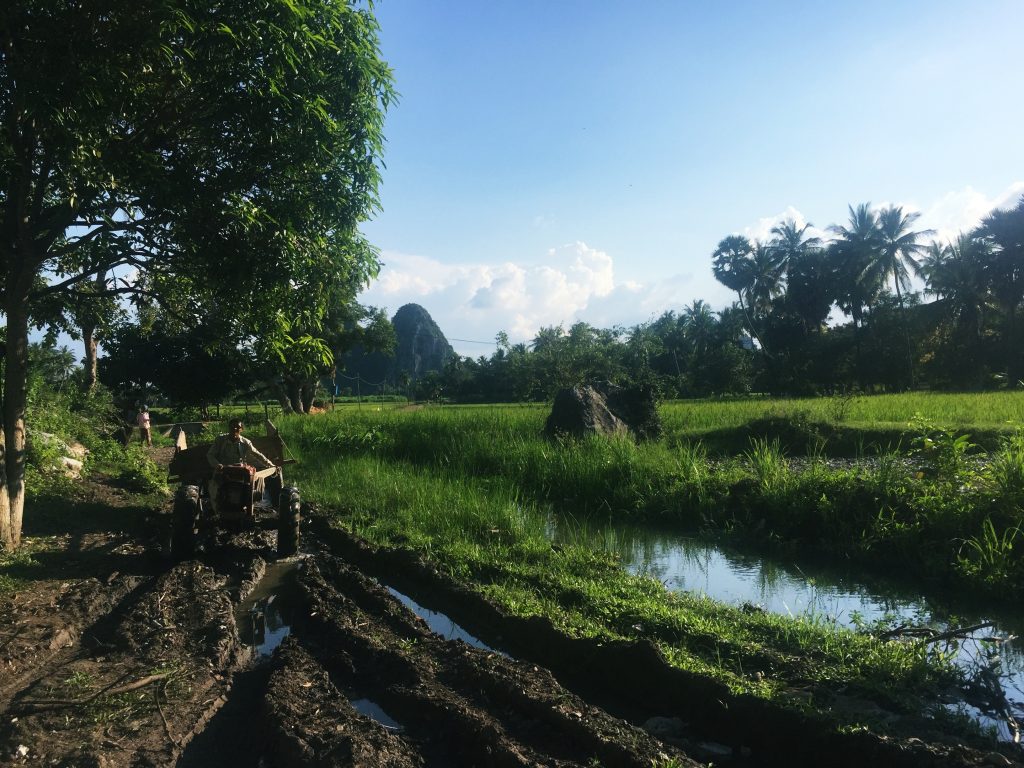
<point x="420" y="348"/>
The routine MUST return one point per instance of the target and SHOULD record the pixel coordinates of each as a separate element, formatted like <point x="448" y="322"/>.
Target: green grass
<point x="473" y="489"/>
<point x="967" y="411"/>
<point x="889" y="514"/>
<point x="479" y="531"/>
<point x="15" y="567"/>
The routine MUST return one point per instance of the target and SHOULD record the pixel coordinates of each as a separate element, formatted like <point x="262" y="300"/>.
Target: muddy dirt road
<point x="323" y="660"/>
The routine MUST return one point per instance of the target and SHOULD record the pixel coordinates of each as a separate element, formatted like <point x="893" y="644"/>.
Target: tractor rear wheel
<point x="185" y="518"/>
<point x="288" y="519"/>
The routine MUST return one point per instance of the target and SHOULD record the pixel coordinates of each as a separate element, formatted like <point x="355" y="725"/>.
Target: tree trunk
<point x="89" y="340"/>
<point x="1013" y="373"/>
<point x="858" y="327"/>
<point x="307" y="393"/>
<point x="6" y="537"/>
<point x="295" y="396"/>
<point x="906" y="334"/>
<point x="282" y="397"/>
<point x="12" y="482"/>
<point x="753" y="328"/>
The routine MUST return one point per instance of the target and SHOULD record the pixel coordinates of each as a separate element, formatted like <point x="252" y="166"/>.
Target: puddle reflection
<point x="687" y="564"/>
<point x="264" y="618"/>
<point x="373" y="710"/>
<point x="441" y="624"/>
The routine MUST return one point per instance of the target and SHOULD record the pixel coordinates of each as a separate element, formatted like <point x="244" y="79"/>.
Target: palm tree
<point x="766" y="272"/>
<point x="854" y="250"/>
<point x="898" y="247"/>
<point x="698" y="324"/>
<point x="791" y="243"/>
<point x="933" y="265"/>
<point x="850" y="255"/>
<point x="733" y="265"/>
<point x="1006" y="231"/>
<point x="956" y="274"/>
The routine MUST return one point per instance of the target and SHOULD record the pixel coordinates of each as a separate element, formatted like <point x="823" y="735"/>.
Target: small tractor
<point x="240" y="498"/>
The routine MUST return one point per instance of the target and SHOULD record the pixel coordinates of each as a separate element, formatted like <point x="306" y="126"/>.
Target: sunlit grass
<point x="473" y="488"/>
<point x="910" y="508"/>
<point x="480" y="531"/>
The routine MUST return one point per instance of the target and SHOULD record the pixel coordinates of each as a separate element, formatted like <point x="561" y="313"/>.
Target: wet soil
<point x="115" y="656"/>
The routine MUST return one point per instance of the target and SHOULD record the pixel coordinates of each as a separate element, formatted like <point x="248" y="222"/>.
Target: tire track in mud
<point x="362" y="681"/>
<point x="633" y="680"/>
<point x="457" y="705"/>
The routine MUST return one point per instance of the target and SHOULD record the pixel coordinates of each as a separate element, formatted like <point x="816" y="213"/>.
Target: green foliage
<point x="191" y="366"/>
<point x="944" y="454"/>
<point x="1006" y="470"/>
<point x="13" y="568"/>
<point x="990" y="556"/>
<point x="911" y="512"/>
<point x="474" y="500"/>
<point x="138" y="473"/>
<point x="225" y="153"/>
<point x="62" y="414"/>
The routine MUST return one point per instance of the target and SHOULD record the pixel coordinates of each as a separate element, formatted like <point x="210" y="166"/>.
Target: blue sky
<point x="556" y="161"/>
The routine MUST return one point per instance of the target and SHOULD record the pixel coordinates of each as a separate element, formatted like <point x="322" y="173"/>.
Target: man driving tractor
<point x="231" y="449"/>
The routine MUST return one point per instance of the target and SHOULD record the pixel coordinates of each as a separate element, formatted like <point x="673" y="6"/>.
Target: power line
<point x="359" y="378"/>
<point x="470" y="341"/>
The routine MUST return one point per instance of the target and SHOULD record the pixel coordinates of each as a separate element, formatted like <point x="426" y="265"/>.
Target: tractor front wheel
<point x="185" y="518"/>
<point x="288" y="519"/>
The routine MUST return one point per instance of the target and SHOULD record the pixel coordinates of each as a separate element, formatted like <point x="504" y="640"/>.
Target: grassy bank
<point x="930" y="509"/>
<point x="65" y="504"/>
<point x="471" y="488"/>
<point x="479" y="531"/>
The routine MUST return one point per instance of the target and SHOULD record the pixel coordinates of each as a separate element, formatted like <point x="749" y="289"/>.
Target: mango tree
<point x="187" y="137"/>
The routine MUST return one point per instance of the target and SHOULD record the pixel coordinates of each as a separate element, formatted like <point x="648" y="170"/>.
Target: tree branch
<point x="43" y="705"/>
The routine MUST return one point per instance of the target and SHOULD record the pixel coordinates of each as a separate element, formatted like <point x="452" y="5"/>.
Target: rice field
<point x="472" y="488"/>
<point x="935" y="505"/>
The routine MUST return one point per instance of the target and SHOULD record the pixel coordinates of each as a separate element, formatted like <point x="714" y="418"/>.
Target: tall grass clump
<point x="1006" y="470"/>
<point x="768" y="464"/>
<point x="607" y="475"/>
<point x="993" y="555"/>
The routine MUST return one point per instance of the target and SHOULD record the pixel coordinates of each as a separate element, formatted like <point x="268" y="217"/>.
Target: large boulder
<point x="580" y="411"/>
<point x="605" y="409"/>
<point x="637" y="407"/>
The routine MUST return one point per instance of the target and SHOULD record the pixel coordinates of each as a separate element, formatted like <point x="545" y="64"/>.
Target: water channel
<point x="694" y="565"/>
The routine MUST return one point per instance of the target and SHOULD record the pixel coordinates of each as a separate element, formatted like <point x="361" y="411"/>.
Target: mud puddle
<point x="422" y="699"/>
<point x="442" y="624"/>
<point x="265" y="617"/>
<point x="374" y="711"/>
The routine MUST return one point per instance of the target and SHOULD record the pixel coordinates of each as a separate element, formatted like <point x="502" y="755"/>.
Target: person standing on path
<point x="145" y="432"/>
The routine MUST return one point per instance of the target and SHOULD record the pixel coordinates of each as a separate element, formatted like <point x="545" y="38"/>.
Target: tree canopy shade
<point x="218" y="150"/>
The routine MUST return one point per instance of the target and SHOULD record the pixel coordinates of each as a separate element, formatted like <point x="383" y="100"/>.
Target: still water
<point x="688" y="564"/>
<point x="264" y="618"/>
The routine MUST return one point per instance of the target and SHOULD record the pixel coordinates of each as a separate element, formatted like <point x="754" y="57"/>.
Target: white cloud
<point x="762" y="230"/>
<point x="962" y="210"/>
<point x="953" y="213"/>
<point x="570" y="283"/>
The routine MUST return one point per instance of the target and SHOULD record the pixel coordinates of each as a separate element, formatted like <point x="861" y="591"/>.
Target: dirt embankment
<point x="133" y="661"/>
